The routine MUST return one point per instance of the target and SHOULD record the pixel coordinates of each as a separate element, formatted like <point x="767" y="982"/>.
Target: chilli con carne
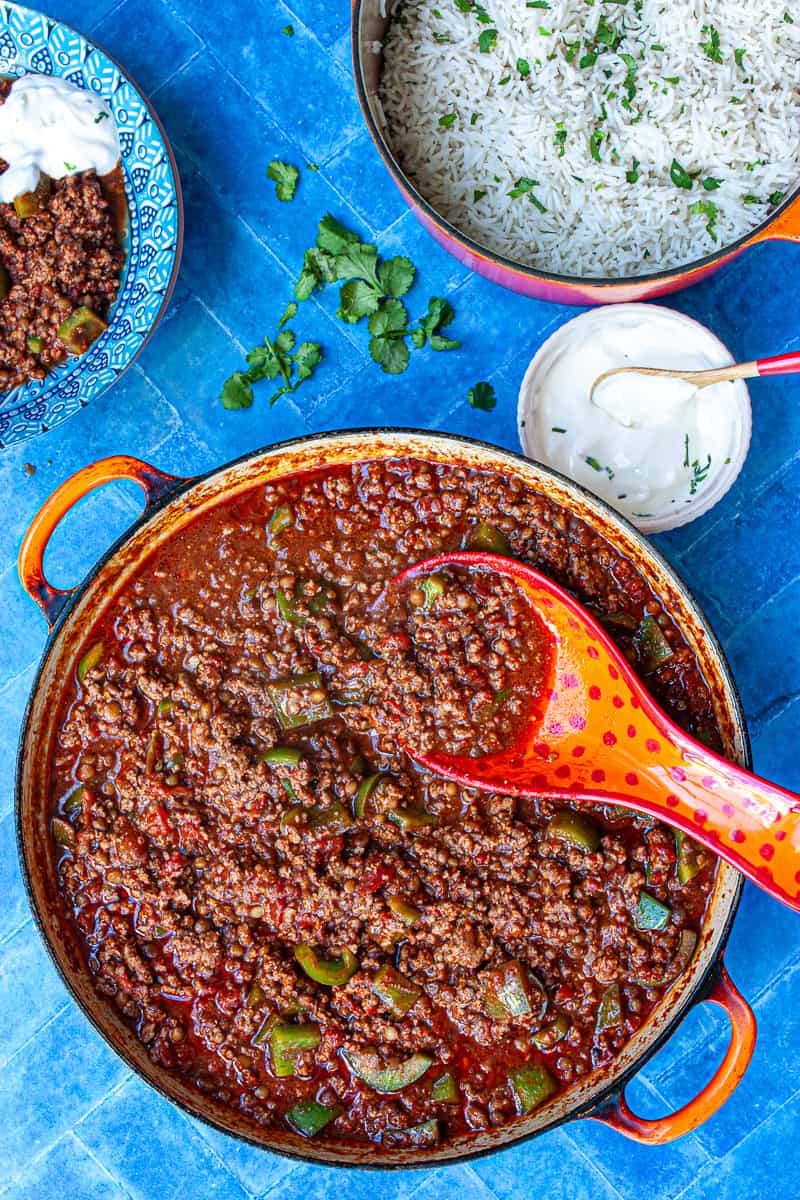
<point x="291" y="915"/>
<point x="60" y="263"/>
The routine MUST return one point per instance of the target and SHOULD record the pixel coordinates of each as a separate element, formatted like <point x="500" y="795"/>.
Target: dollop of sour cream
<point x="647" y="445"/>
<point x="51" y="127"/>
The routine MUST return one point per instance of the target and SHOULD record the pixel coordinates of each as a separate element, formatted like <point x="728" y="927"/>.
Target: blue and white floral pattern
<point x="31" y="41"/>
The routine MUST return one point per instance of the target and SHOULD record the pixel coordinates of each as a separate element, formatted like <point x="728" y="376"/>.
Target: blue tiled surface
<point x="234" y="92"/>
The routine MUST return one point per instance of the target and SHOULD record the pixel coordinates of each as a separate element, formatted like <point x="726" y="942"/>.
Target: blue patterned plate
<point x="31" y="41"/>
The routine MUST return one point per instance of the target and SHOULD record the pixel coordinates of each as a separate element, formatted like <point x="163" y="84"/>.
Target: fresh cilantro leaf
<point x="478" y="194"/>
<point x="358" y="260"/>
<point x="319" y="267"/>
<point x="524" y="67"/>
<point x="393" y="356"/>
<point x="333" y="236"/>
<point x="679" y="175"/>
<point x="396" y="275"/>
<point x="438" y="341"/>
<point x="739" y="56"/>
<point x="285" y="178"/>
<point x="388" y="327"/>
<point x="307" y="357"/>
<point x="711" y="47"/>
<point x="487" y="41"/>
<point x="236" y="392"/>
<point x="482" y="396"/>
<point x="440" y="313"/>
<point x="776" y="197"/>
<point x="391" y="317"/>
<point x="709" y="210"/>
<point x="288" y="313"/>
<point x="588" y="59"/>
<point x="711" y="184"/>
<point x="560" y="138"/>
<point x="632" y="176"/>
<point x="522" y="187"/>
<point x="262" y="363"/>
<point x="448" y="119"/>
<point x="285" y="341"/>
<point x="595" y="141"/>
<point x="357" y="299"/>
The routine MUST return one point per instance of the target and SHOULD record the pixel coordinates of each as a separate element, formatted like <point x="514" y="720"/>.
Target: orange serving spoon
<point x="595" y="733"/>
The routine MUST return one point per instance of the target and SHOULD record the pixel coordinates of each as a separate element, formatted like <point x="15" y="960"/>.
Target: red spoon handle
<point x="779" y="364"/>
<point x="752" y="823"/>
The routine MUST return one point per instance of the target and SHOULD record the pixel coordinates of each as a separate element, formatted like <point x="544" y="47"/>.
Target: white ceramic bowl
<point x="588" y="323"/>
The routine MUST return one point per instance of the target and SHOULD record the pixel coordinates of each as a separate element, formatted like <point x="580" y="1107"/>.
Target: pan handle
<point x="154" y="483"/>
<point x="616" y="1113"/>
<point x="785" y="227"/>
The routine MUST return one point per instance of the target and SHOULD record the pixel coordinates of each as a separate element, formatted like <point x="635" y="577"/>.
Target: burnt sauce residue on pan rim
<point x="291" y="916"/>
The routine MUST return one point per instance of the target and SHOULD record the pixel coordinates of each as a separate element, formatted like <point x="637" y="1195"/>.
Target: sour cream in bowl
<point x="50" y="127"/>
<point x="660" y="451"/>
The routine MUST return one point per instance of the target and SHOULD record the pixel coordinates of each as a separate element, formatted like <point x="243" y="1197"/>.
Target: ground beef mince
<point x="65" y="257"/>
<point x="293" y="916"/>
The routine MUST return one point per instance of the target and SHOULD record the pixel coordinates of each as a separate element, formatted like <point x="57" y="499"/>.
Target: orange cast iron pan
<point x="170" y="504"/>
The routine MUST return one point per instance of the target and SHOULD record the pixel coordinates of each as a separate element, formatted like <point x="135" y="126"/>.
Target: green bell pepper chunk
<point x="618" y="620"/>
<point x="488" y="537"/>
<point x="90" y="660"/>
<point x="407" y="913"/>
<point x="432" y="587"/>
<point x="63" y="833"/>
<point x="304" y="686"/>
<point x="609" y="1010"/>
<point x="80" y="330"/>
<point x="309" y="1117"/>
<point x="367" y="1067"/>
<point x="576" y="828"/>
<point x="687" y="853"/>
<point x="651" y="913"/>
<point x="445" y="1090"/>
<point x="397" y="993"/>
<point x="531" y="1084"/>
<point x="281" y="756"/>
<point x="286" y="607"/>
<point x="651" y="645"/>
<point x="411" y="820"/>
<point x="281" y="520"/>
<point x="73" y="800"/>
<point x="427" y="1133"/>
<point x="286" y="1044"/>
<point x="31" y="204"/>
<point x="34" y="344"/>
<point x="325" y="593"/>
<point x="165" y="707"/>
<point x="552" y="1034"/>
<point x="332" y="972"/>
<point x="509" y="991"/>
<point x="365" y="790"/>
<point x="265" y="1029"/>
<point x="332" y="820"/>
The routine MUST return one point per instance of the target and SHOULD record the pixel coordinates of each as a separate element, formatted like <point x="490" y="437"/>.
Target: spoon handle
<point x="779" y="364"/>
<point x="752" y="823"/>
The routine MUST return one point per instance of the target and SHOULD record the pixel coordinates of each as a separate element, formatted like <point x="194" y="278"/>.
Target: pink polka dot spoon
<point x="595" y="733"/>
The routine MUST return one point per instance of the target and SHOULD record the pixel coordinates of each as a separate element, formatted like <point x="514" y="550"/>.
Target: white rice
<point x="735" y="121"/>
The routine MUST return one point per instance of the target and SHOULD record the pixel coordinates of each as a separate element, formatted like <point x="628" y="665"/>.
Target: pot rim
<point x="691" y="996"/>
<point x="465" y="240"/>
